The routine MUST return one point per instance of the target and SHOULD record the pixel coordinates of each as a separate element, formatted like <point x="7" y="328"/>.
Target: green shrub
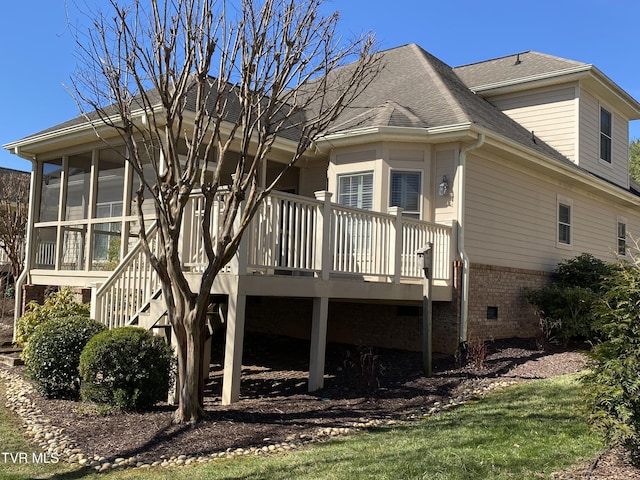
<point x="127" y="368"/>
<point x="566" y="307"/>
<point x="57" y="305"/>
<point x="613" y="380"/>
<point x="53" y="353"/>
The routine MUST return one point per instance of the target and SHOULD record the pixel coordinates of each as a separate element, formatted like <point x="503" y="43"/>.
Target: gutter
<point x="464" y="297"/>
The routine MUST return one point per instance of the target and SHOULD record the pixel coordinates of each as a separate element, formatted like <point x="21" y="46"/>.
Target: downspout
<point x="464" y="297"/>
<point x="24" y="275"/>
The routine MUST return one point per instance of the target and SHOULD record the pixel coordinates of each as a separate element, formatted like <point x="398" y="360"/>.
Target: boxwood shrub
<point x="52" y="354"/>
<point x="127" y="368"/>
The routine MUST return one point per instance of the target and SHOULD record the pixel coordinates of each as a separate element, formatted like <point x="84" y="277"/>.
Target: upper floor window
<point x="405" y="192"/>
<point x="605" y="135"/>
<point x="356" y="190"/>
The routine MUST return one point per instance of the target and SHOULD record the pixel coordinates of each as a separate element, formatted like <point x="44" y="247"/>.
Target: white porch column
<point x="323" y="235"/>
<point x="318" y="343"/>
<point x="395" y="248"/>
<point x="233" y="349"/>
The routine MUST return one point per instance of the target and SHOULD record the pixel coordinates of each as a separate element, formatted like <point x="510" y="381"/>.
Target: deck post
<point x="233" y="348"/>
<point x="318" y="343"/>
<point x="395" y="259"/>
<point x="323" y="234"/>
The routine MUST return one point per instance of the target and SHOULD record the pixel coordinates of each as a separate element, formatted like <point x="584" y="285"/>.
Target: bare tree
<point x="14" y="210"/>
<point x="214" y="75"/>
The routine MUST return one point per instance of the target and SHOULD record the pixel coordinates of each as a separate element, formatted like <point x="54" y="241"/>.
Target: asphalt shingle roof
<point x="512" y="67"/>
<point x="435" y="95"/>
<point x="416" y="89"/>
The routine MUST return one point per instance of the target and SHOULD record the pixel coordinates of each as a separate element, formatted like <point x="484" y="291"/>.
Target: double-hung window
<point x="622" y="237"/>
<point x="405" y="191"/>
<point x="356" y="190"/>
<point x="605" y="135"/>
<point x="564" y="222"/>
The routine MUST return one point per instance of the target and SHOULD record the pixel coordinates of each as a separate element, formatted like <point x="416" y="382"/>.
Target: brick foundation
<point x="32" y="293"/>
<point x="370" y="324"/>
<point x="501" y="291"/>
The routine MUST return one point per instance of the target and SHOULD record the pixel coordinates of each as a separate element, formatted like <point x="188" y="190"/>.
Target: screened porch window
<point x="356" y="190"/>
<point x="405" y="192"/>
<point x="50" y="190"/>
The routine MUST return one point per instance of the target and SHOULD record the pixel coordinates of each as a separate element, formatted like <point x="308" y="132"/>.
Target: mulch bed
<point x="275" y="406"/>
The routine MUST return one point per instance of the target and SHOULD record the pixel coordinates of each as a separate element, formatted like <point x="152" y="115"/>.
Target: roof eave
<point x="526" y="83"/>
<point x="447" y="133"/>
<point x="556" y="166"/>
<point x="85" y="132"/>
<point x="582" y="73"/>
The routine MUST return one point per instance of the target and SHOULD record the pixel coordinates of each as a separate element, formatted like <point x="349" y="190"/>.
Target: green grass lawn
<point x="526" y="431"/>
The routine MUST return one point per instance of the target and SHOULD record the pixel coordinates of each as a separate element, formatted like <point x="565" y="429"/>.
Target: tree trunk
<point x="190" y="377"/>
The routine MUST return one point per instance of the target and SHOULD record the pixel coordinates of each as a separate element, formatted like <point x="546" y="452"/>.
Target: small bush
<point x="57" y="305"/>
<point x="53" y="353"/>
<point x="363" y="369"/>
<point x="127" y="368"/>
<point x="566" y="307"/>
<point x="613" y="380"/>
<point x="477" y="353"/>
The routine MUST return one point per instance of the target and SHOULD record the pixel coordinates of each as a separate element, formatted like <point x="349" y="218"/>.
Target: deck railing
<point x="314" y="236"/>
<point x="289" y="234"/>
<point x="130" y="287"/>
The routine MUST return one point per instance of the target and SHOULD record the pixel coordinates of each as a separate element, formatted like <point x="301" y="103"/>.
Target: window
<point x="405" y="192"/>
<point x="622" y="237"/>
<point x="564" y="223"/>
<point x="605" y="135"/>
<point x="356" y="190"/>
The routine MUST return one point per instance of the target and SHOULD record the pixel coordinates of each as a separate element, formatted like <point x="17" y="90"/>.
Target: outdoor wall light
<point x="443" y="187"/>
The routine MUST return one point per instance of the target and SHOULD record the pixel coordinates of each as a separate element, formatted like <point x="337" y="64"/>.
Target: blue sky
<point x="38" y="51"/>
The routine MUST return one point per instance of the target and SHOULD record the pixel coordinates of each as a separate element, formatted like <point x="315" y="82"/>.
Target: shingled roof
<point x="412" y="80"/>
<point x="414" y="89"/>
<point x="513" y="67"/>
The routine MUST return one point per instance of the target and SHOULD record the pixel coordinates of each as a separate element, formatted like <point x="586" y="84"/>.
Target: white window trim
<point x="610" y="112"/>
<point x="622" y="220"/>
<point x="420" y="195"/>
<point x="562" y="200"/>
<point x="353" y="174"/>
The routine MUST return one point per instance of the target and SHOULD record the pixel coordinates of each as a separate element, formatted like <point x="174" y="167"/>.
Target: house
<point x="505" y="167"/>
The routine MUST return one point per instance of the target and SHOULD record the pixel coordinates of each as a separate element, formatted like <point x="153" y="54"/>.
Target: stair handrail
<point x="118" y="273"/>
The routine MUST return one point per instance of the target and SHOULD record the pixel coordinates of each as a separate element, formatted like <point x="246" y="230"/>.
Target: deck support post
<point x="233" y="348"/>
<point x="318" y="343"/>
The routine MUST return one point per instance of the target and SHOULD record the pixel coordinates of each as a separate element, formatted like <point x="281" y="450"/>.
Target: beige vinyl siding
<point x="445" y="166"/>
<point x="549" y="113"/>
<point x="589" y="142"/>
<point x="511" y="220"/>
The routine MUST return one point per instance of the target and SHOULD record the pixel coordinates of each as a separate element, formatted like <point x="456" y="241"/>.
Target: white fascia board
<point x="447" y="133"/>
<point x="540" y="80"/>
<point x="30" y="146"/>
<point x="580" y="73"/>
